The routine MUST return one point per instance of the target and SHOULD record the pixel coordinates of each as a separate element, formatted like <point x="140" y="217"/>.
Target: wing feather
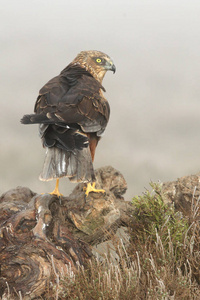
<point x="79" y="103"/>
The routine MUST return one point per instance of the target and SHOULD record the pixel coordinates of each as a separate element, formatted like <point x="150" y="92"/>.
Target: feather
<point x="36" y="119"/>
<point x="76" y="165"/>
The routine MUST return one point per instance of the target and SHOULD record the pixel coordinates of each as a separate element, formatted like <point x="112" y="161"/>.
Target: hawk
<point x="72" y="114"/>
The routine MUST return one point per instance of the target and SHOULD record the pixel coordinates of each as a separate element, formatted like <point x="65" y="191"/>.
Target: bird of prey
<point x="72" y="114"/>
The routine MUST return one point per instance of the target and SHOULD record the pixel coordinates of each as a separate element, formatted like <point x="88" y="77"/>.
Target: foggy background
<point x="153" y="132"/>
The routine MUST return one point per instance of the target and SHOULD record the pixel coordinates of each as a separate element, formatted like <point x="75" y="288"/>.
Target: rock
<point x="34" y="246"/>
<point x="121" y="238"/>
<point x="183" y="193"/>
<point x="99" y="213"/>
<point x="40" y="235"/>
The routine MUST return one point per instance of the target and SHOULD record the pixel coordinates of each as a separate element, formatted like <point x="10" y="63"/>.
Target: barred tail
<point x="76" y="165"/>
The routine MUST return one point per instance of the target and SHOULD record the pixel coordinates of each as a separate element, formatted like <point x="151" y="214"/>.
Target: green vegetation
<point x="161" y="260"/>
<point x="158" y="222"/>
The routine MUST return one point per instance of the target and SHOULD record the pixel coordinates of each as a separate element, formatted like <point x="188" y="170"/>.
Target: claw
<point x="56" y="190"/>
<point x="91" y="188"/>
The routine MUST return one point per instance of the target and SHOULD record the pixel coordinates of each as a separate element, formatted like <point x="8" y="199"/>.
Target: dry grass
<point x="161" y="260"/>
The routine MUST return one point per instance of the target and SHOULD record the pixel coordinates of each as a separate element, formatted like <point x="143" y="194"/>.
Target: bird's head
<point x="96" y="62"/>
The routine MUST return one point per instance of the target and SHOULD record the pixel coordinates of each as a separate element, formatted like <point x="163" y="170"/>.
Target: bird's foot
<point x="56" y="190"/>
<point x="91" y="188"/>
<point x="56" y="193"/>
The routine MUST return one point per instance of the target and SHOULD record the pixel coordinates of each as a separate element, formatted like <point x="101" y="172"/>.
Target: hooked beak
<point x="110" y="66"/>
<point x="113" y="69"/>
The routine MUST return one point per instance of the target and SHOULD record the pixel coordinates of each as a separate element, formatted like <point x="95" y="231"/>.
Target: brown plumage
<point x="72" y="114"/>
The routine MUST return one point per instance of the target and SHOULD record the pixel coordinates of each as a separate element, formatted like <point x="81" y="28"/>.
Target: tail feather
<point x="82" y="165"/>
<point x="76" y="165"/>
<point x="35" y="119"/>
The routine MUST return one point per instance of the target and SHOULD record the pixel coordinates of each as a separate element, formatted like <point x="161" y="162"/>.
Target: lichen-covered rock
<point x="40" y="235"/>
<point x="34" y="246"/>
<point x="183" y="193"/>
<point x="99" y="213"/>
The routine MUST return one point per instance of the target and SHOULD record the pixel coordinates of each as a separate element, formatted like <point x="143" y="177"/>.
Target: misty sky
<point x="153" y="132"/>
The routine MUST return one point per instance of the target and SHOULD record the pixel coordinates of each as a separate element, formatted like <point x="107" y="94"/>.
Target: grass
<point x="161" y="260"/>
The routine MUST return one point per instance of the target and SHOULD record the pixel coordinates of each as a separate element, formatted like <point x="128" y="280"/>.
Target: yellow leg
<point x="56" y="190"/>
<point x="91" y="188"/>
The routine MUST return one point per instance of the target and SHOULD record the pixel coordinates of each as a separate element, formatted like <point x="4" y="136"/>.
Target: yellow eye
<point x="98" y="60"/>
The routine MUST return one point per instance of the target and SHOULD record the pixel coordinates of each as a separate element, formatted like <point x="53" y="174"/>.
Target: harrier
<point x="72" y="114"/>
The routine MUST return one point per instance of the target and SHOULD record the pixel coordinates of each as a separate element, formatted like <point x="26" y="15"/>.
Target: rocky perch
<point x="42" y="236"/>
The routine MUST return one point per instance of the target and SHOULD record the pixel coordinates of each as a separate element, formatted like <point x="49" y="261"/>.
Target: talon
<point x="56" y="190"/>
<point x="91" y="188"/>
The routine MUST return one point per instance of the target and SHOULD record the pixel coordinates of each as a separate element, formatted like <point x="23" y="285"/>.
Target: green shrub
<point x="153" y="218"/>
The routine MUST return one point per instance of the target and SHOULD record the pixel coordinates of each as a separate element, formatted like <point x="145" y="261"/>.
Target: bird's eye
<point x="98" y="60"/>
